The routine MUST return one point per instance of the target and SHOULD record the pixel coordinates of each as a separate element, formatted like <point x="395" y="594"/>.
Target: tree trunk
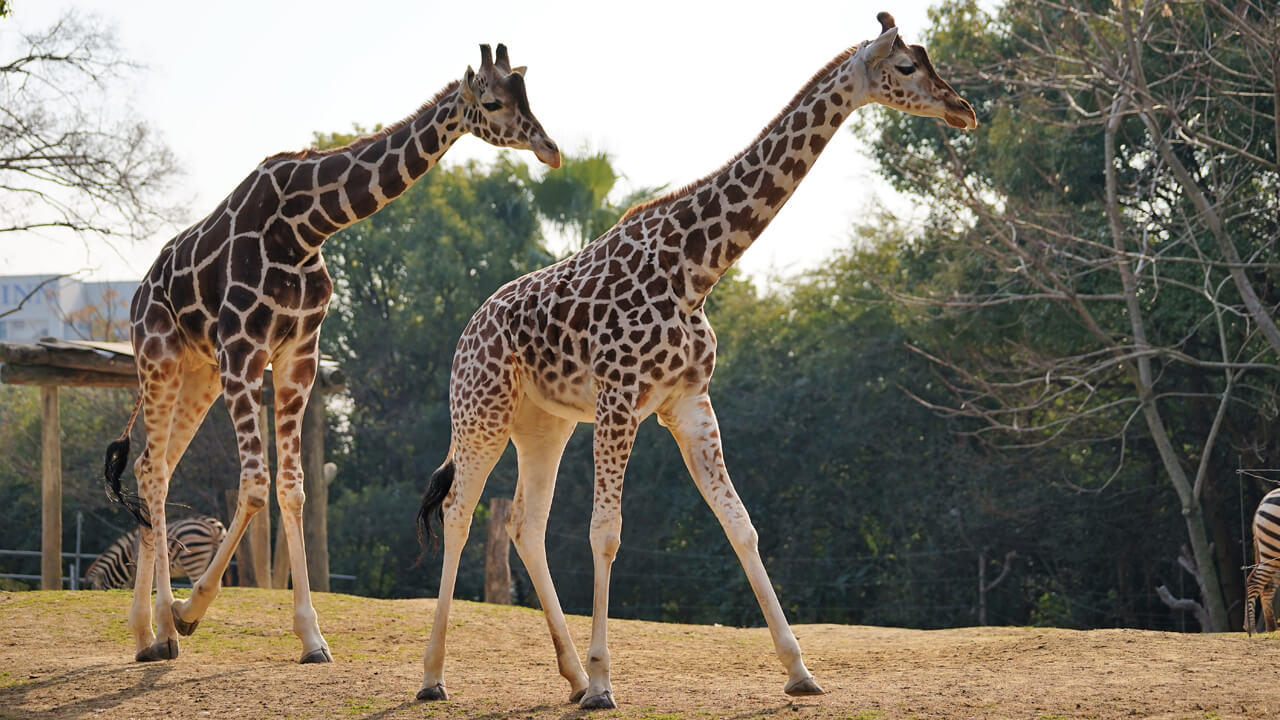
<point x="315" y="513"/>
<point x="497" y="562"/>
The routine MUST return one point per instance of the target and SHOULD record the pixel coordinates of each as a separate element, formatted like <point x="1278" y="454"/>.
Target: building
<point x="63" y="308"/>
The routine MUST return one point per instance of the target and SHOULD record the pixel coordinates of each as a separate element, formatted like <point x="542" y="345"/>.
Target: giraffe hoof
<point x="159" y="650"/>
<point x="435" y="692"/>
<point x="319" y="655"/>
<point x="577" y="695"/>
<point x="184" y="628"/>
<point x="803" y="687"/>
<point x="603" y="701"/>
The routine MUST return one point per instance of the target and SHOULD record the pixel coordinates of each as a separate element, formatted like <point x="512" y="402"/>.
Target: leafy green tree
<point x="576" y="198"/>
<point x="1094" y="297"/>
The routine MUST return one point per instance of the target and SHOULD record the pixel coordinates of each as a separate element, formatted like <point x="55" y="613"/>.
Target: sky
<point x="671" y="90"/>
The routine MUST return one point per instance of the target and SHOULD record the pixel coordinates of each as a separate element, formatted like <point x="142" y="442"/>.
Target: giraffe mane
<point x="364" y="140"/>
<point x="769" y="126"/>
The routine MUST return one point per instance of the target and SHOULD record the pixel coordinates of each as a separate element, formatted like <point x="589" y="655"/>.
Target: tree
<point x="1082" y="230"/>
<point x="576" y="198"/>
<point x="71" y="158"/>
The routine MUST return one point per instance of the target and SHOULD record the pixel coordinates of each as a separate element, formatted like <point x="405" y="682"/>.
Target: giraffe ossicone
<point x="617" y="332"/>
<point x="246" y="287"/>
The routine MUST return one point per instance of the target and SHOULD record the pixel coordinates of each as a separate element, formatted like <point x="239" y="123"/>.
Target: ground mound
<point x="69" y="655"/>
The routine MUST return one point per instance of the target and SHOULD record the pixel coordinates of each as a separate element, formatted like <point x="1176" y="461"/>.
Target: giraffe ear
<point x="520" y="70"/>
<point x="881" y="47"/>
<point x="468" y="85"/>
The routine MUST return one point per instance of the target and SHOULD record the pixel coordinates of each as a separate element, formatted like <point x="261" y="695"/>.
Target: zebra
<point x="192" y="542"/>
<point x="1265" y="575"/>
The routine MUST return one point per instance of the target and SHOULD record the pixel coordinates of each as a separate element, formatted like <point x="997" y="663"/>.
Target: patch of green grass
<point x="651" y="713"/>
<point x="354" y="706"/>
<point x="7" y="680"/>
<point x="866" y="715"/>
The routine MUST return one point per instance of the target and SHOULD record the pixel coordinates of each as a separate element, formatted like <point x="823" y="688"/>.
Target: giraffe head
<point x="901" y="77"/>
<point x="496" y="107"/>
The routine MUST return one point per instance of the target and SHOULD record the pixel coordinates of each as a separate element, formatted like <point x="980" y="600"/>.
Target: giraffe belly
<point x="574" y="401"/>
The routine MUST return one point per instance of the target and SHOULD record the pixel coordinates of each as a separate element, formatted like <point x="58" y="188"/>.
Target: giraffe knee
<point x="743" y="535"/>
<point x="606" y="539"/>
<point x="253" y="493"/>
<point x="290" y="493"/>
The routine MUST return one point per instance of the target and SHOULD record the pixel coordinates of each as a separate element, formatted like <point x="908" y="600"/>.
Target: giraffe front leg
<point x="692" y="422"/>
<point x="292" y="381"/>
<point x="613" y="438"/>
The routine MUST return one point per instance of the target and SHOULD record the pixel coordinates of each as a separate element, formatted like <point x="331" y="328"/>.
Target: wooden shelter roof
<point x="98" y="364"/>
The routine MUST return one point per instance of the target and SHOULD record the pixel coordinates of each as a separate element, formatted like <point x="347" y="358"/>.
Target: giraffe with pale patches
<point x="617" y="332"/>
<point x="245" y="288"/>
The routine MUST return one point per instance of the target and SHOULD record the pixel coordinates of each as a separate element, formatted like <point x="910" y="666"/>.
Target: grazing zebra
<point x="192" y="542"/>
<point x="1265" y="575"/>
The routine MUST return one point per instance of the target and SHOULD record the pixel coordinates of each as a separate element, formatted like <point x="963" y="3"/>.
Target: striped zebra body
<point x="1265" y="575"/>
<point x="192" y="543"/>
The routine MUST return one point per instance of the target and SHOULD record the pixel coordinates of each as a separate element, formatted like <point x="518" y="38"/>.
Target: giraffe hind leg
<point x="243" y="397"/>
<point x="161" y="389"/>
<point x="540" y="439"/>
<point x="472" y="466"/>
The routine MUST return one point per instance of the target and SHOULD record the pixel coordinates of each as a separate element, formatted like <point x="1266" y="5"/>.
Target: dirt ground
<point x="69" y="655"/>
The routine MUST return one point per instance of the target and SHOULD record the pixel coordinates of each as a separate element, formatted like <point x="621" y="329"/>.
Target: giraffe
<point x="617" y="332"/>
<point x="247" y="287"/>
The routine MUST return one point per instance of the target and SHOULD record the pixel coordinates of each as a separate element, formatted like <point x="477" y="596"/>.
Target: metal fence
<point x="71" y="580"/>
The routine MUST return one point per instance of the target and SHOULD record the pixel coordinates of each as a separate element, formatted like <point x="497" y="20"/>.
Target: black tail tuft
<point x="113" y="468"/>
<point x="433" y="505"/>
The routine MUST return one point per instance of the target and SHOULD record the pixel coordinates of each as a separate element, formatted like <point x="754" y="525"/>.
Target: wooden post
<point x="259" y="531"/>
<point x="280" y="559"/>
<point x="315" y="513"/>
<point x="51" y="490"/>
<point x="497" y="560"/>
<point x="244" y="567"/>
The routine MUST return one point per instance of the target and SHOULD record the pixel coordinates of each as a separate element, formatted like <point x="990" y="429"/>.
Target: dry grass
<point x="68" y="654"/>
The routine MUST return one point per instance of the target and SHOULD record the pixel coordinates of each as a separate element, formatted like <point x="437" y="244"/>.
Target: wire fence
<point x="79" y="559"/>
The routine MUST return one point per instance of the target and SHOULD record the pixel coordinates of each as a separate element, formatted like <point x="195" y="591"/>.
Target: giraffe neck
<point x="346" y="185"/>
<point x="703" y="229"/>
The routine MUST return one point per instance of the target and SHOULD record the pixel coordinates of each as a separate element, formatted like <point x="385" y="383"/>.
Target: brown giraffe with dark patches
<point x="617" y="332"/>
<point x="247" y="287"/>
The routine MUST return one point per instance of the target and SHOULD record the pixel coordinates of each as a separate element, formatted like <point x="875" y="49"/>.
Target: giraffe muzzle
<point x="547" y="152"/>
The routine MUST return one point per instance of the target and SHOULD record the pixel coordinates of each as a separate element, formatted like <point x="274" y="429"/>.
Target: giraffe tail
<point x="113" y="468"/>
<point x="433" y="504"/>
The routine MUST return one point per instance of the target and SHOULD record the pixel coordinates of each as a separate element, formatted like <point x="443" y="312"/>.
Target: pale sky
<point x="671" y="90"/>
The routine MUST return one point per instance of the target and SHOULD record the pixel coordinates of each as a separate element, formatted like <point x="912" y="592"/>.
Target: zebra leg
<point x="1267" y="599"/>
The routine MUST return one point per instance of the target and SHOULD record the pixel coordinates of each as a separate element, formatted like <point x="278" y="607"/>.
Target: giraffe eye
<point x="905" y="69"/>
<point x="492" y="106"/>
